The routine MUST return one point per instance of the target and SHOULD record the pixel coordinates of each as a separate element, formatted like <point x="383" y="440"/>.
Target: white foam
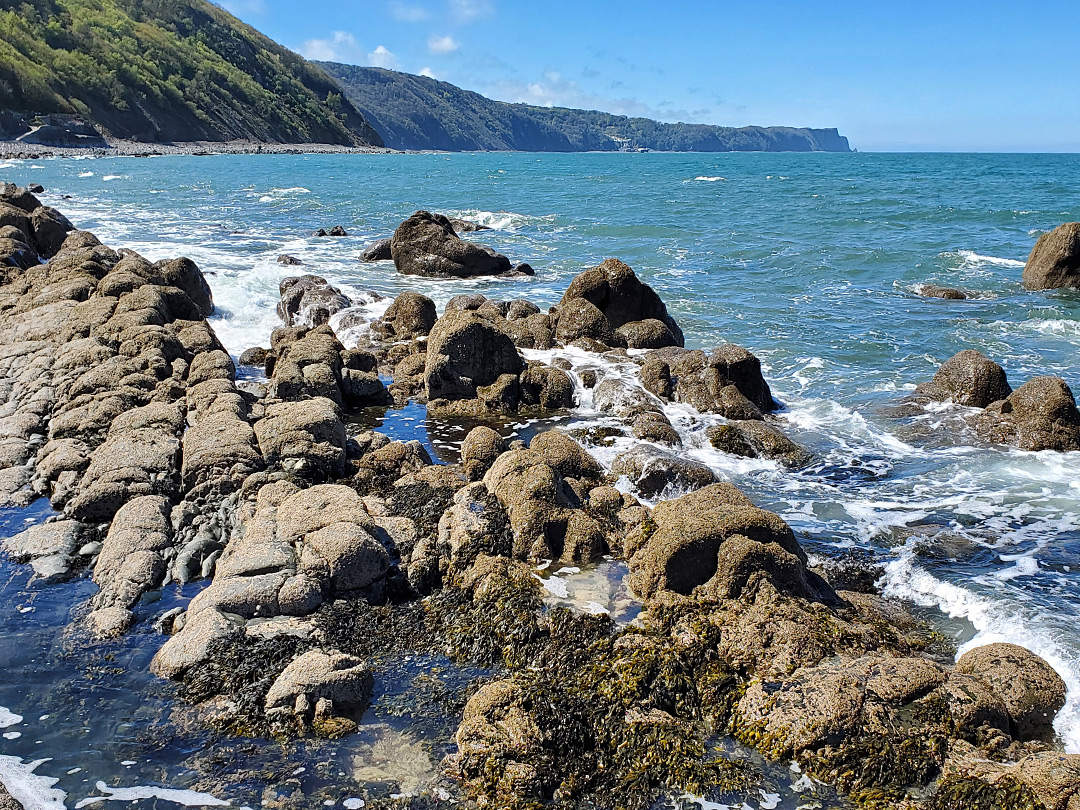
<point x="110" y="177"/>
<point x="994" y="621"/>
<point x="187" y="798"/>
<point x="31" y="790"/>
<point x="500" y="220"/>
<point x="972" y="258"/>
<point x="8" y="718"/>
<point x="86" y="174"/>
<point x="704" y="179"/>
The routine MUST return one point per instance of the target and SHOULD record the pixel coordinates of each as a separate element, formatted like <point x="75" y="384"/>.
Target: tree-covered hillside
<point x="415" y="112"/>
<point x="166" y="70"/>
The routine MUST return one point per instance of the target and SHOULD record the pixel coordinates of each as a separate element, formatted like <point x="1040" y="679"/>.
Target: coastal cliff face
<point x="167" y="70"/>
<point x="415" y="112"/>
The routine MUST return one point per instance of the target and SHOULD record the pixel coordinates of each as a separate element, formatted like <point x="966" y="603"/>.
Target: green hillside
<point x="167" y="70"/>
<point x="415" y="112"/>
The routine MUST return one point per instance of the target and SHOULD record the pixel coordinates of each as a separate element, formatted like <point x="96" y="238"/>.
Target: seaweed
<point x="969" y="793"/>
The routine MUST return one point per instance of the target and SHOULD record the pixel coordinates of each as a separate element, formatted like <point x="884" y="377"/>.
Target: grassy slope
<point x="414" y="112"/>
<point x="167" y="70"/>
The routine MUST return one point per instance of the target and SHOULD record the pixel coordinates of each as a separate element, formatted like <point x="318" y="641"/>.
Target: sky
<point x="891" y="76"/>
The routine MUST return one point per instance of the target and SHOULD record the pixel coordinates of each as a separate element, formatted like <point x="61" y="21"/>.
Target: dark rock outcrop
<point x="426" y="245"/>
<point x="968" y="378"/>
<point x="377" y="252"/>
<point x="1055" y="260"/>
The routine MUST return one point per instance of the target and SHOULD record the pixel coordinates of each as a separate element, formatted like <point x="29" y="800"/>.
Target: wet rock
<point x="968" y="378"/>
<point x="465" y="352"/>
<point x="412" y="315"/>
<point x="936" y="291"/>
<point x="683" y="545"/>
<point x="49" y="228"/>
<point x="755" y="439"/>
<point x="655" y="427"/>
<point x="302" y="295"/>
<point x="255" y="356"/>
<point x="479" y="450"/>
<point x="50" y="548"/>
<point x="653" y="471"/>
<point x="185" y="275"/>
<point x="1030" y="688"/>
<point x="546" y="387"/>
<point x="564" y="455"/>
<point x="623" y="400"/>
<point x="316" y="676"/>
<point x="313" y="363"/>
<point x="623" y="303"/>
<point x="289" y="261"/>
<point x="377" y="252"/>
<point x="426" y="245"/>
<point x="522" y="269"/>
<point x="700" y="380"/>
<point x="466" y="226"/>
<point x="1039" y="415"/>
<point x="1055" y="260"/>
<point x="193" y="643"/>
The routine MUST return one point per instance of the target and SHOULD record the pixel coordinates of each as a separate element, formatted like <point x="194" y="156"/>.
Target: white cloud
<point x="340" y="46"/>
<point x="381" y="57"/>
<point x="407" y="13"/>
<point x="442" y="45"/>
<point x="555" y="90"/>
<point x="426" y="71"/>
<point x="466" y="10"/>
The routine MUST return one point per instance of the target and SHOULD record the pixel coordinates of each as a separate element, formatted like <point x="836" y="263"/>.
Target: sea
<point x="814" y="262"/>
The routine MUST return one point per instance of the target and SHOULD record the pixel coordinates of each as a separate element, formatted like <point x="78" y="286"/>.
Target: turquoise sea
<point x="812" y="261"/>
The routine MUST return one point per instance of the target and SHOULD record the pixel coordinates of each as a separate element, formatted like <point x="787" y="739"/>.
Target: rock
<point x="301" y="295"/>
<point x="547" y="387"/>
<point x="289" y="261"/>
<point x="185" y="275"/>
<point x="465" y="226"/>
<point x="652" y="470"/>
<point x="1030" y="688"/>
<point x="307" y="435"/>
<point x="655" y="427"/>
<point x="50" y="548"/>
<point x="377" y="252"/>
<point x="49" y="229"/>
<point x="412" y="315"/>
<point x="1039" y="415"/>
<point x="755" y="439"/>
<point x="320" y="233"/>
<point x="192" y="645"/>
<point x="522" y="269"/>
<point x="426" y="245"/>
<point x="497" y="725"/>
<point x="935" y="291"/>
<point x="1055" y="260"/>
<point x="700" y="380"/>
<point x="579" y="319"/>
<point x="465" y="352"/>
<point x="564" y="455"/>
<point x="623" y="300"/>
<point x="255" y="356"/>
<point x="479" y="450"/>
<point x="968" y="378"/>
<point x="132" y="558"/>
<point x="682" y="546"/>
<point x="344" y="680"/>
<point x="656" y="377"/>
<point x="337" y="230"/>
<point x="622" y="400"/>
<point x="1053" y="777"/>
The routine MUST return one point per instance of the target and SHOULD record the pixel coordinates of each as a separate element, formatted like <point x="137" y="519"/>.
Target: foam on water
<point x="186" y="798"/>
<point x="973" y="259"/>
<point x="8" y="718"/>
<point x="33" y="791"/>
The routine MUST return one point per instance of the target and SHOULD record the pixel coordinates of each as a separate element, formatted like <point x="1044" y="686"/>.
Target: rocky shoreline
<point x="17" y="150"/>
<point x="331" y="550"/>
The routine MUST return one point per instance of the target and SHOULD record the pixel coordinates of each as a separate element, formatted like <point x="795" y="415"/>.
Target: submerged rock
<point x="653" y="471"/>
<point x="1055" y="260"/>
<point x="757" y="439"/>
<point x="936" y="291"/>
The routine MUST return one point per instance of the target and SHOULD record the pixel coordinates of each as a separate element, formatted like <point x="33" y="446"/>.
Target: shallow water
<point x="811" y="261"/>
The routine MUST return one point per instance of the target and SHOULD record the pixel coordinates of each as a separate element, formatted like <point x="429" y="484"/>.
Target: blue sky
<point x="960" y="76"/>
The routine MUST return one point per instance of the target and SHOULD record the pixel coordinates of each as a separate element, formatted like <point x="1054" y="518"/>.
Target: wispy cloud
<point x="241" y="7"/>
<point x="426" y="71"/>
<point x="340" y="46"/>
<point x="468" y="10"/>
<point x="382" y="57"/>
<point x="442" y="45"/>
<point x="403" y="12"/>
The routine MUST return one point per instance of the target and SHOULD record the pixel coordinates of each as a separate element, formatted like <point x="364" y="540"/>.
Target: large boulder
<point x="465" y="352"/>
<point x="411" y="315"/>
<point x="301" y="436"/>
<point x="311" y="299"/>
<point x="685" y="545"/>
<point x="426" y="245"/>
<point x="701" y="380"/>
<point x="968" y="378"/>
<point x="653" y="471"/>
<point x="1055" y="260"/>
<point x="625" y="303"/>
<point x="184" y="274"/>
<point x="1039" y="415"/>
<point x="1030" y="688"/>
